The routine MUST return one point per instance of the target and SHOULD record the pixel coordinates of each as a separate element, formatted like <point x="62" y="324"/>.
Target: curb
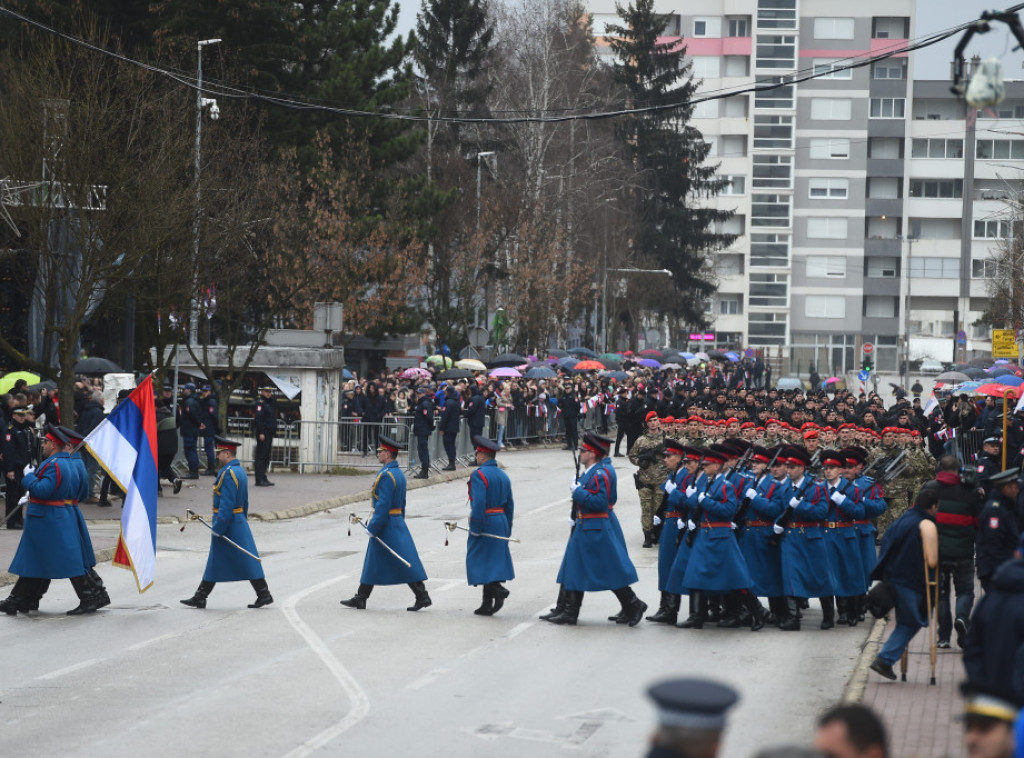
<point x="859" y="679"/>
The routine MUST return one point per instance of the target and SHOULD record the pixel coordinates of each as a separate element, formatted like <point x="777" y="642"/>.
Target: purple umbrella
<point x="505" y="371"/>
<point x="650" y="363"/>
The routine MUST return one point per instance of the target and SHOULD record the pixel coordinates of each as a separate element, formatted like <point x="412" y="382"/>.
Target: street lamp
<point x="906" y="313"/>
<point x="201" y="102"/>
<point x="604" y="295"/>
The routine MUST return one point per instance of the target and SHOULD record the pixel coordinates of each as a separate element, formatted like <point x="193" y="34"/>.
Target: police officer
<point x="476" y="411"/>
<point x="488" y="560"/>
<point x="209" y="426"/>
<point x="422" y="427"/>
<point x="226" y="563"/>
<point x="19" y="449"/>
<point x="448" y="425"/>
<point x="265" y="423"/>
<point x="189" y="421"/>
<point x="691" y="717"/>
<point x="998" y="527"/>
<point x="387" y="526"/>
<point x="989" y="462"/>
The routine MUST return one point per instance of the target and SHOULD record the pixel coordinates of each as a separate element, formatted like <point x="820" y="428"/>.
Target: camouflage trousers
<point x="650" y="503"/>
<point x="898" y="505"/>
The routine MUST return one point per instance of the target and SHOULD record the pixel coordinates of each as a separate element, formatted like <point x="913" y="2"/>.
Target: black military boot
<point x="198" y="600"/>
<point x="731" y="618"/>
<point x="36" y="589"/>
<point x="851" y="610"/>
<point x="96" y="585"/>
<point x="841" y="611"/>
<point x="632" y="607"/>
<point x="86" y="598"/>
<point x="648" y="538"/>
<point x="573" y="601"/>
<point x="358" y="600"/>
<point x="487" y="604"/>
<point x="498" y="595"/>
<point x="559" y="606"/>
<point x="20" y="598"/>
<point x="424" y="474"/>
<point x="667" y="611"/>
<point x="714" y="608"/>
<point x="758" y="615"/>
<point x="698" y="611"/>
<point x="263" y="596"/>
<point x="828" y="612"/>
<point x="776" y="610"/>
<point x="422" y="598"/>
<point x="791" y="621"/>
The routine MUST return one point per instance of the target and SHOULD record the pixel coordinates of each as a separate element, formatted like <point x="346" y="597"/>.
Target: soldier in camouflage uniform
<point x="900" y="492"/>
<point x="647" y="454"/>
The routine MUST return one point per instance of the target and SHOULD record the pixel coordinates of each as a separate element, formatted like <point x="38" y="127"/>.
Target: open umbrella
<point x="558" y="353"/>
<point x="650" y="363"/>
<point x="346" y="374"/>
<point x="789" y="383"/>
<point x="540" y="372"/>
<point x="567" y="362"/>
<point x="832" y="380"/>
<point x="472" y="364"/>
<point x="982" y="360"/>
<point x="97" y="366"/>
<point x="734" y="357"/>
<point x="973" y="372"/>
<point x="952" y="377"/>
<point x="673" y="366"/>
<point x="589" y="365"/>
<point x="1010" y="380"/>
<point x="717" y="355"/>
<point x="703" y="356"/>
<point x="997" y="371"/>
<point x="582" y="351"/>
<point x="992" y="389"/>
<point x="651" y="352"/>
<point x="7" y="380"/>
<point x="505" y="371"/>
<point x="455" y="373"/>
<point x="46" y="384"/>
<point x="415" y="373"/>
<point x="439" y="360"/>
<point x="619" y="376"/>
<point x="688" y="356"/>
<point x="507" y="359"/>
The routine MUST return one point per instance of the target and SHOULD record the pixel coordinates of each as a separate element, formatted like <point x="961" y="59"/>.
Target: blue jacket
<point x="806" y="570"/>
<point x="764" y="559"/>
<point x="675" y="508"/>
<point x="388" y="523"/>
<point x="874" y="506"/>
<point x="451" y="416"/>
<point x="82" y="493"/>
<point x="476" y="413"/>
<point x="230" y="518"/>
<point x="50" y="546"/>
<point x="716" y="562"/>
<point x="843" y="541"/>
<point x="491" y="512"/>
<point x="423" y="417"/>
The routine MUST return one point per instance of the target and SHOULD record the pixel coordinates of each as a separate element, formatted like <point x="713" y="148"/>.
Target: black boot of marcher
<point x="198" y="600"/>
<point x="358" y="600"/>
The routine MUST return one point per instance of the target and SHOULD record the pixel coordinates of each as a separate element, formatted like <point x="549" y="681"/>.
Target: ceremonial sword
<point x="193" y="516"/>
<point x="354" y="519"/>
<point x="451" y="526"/>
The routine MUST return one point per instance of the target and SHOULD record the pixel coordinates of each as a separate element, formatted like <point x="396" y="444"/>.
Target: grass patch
<point x="348" y="471"/>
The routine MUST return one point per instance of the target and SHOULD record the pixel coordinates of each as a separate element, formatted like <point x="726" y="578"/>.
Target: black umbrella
<point x="717" y="355"/>
<point x="557" y="352"/>
<point x="97" y="366"/>
<point x="975" y="373"/>
<point x="611" y="363"/>
<point x="455" y="373"/>
<point x="583" y="351"/>
<point x="541" y="372"/>
<point x="507" y="359"/>
<point x="46" y="384"/>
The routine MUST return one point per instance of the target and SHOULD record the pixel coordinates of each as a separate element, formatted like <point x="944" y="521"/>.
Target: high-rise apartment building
<point x="853" y="192"/>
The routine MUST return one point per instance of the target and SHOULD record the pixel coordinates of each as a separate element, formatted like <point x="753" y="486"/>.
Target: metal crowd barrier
<point x="966" y="446"/>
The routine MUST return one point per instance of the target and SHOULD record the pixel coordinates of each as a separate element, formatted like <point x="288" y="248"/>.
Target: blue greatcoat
<point x="82" y="493"/>
<point x="764" y="560"/>
<point x="716" y="564"/>
<point x="613" y="498"/>
<point x="689" y="510"/>
<point x="675" y="508"/>
<point x="491" y="511"/>
<point x="230" y="512"/>
<point x="806" y="571"/>
<point x="388" y="523"/>
<point x="843" y="542"/>
<point x="50" y="546"/>
<point x="596" y="557"/>
<point x="874" y="506"/>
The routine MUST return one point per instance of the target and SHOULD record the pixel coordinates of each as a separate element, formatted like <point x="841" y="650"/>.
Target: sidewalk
<point x="921" y="718"/>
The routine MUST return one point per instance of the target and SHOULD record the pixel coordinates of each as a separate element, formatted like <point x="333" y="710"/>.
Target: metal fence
<point x="966" y="446"/>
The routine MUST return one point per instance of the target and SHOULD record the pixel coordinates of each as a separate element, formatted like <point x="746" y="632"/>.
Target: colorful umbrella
<point x="415" y="373"/>
<point x="567" y="362"/>
<point x="589" y="366"/>
<point x="7" y="380"/>
<point x="832" y="380"/>
<point x="541" y="372"/>
<point x="506" y="371"/>
<point x="996" y="390"/>
<point x="442" y="360"/>
<point x="1010" y="380"/>
<point x="688" y="356"/>
<point x="651" y="352"/>
<point x="734" y="357"/>
<point x="650" y="363"/>
<point x="472" y="364"/>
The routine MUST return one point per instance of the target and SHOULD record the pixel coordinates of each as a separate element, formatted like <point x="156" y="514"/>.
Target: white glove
<point x="690" y="526"/>
<point x="681" y="525"/>
<point x="793" y="502"/>
<point x="690" y="491"/>
<point x="24" y="499"/>
<point x="701" y="496"/>
<point x="670" y="487"/>
<point x="732" y="525"/>
<point x="29" y="468"/>
<point x="575" y="484"/>
<point x="778" y="529"/>
<point x="751" y="493"/>
<point x="838" y="497"/>
<point x="572" y="521"/>
<point x="657" y="520"/>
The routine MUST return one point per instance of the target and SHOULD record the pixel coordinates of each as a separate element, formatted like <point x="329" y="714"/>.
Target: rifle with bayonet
<point x="740" y="518"/>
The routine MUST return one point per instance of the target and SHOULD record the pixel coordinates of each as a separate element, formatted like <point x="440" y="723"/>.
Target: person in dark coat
<point x="265" y="423"/>
<point x="209" y="426"/>
<point x="691" y="717"/>
<point x="89" y="419"/>
<point x="166" y="441"/>
<point x="375" y="407"/>
<point x="189" y="420"/>
<point x="569" y="405"/>
<point x="226" y="563"/>
<point x="387" y="527"/>
<point x="422" y="428"/>
<point x="19" y="449"/>
<point x="998" y="526"/>
<point x="621" y="416"/>
<point x="488" y="560"/>
<point x="476" y="412"/>
<point x="448" y="426"/>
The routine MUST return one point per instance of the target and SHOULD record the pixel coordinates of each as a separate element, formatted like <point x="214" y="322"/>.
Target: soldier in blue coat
<point x="50" y="546"/>
<point x="226" y="563"/>
<point x="767" y="499"/>
<point x="595" y="558"/>
<point x="873" y="498"/>
<point x="388" y="526"/>
<point x="488" y="560"/>
<point x="845" y="509"/>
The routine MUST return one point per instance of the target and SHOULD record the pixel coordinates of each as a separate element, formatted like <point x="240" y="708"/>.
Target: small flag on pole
<point x="125" y="446"/>
<point x="931" y="405"/>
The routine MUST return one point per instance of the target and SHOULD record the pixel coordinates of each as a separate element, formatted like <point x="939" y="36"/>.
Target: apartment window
<point x="828" y="188"/>
<point x="782" y="96"/>
<point x="1003" y="110"/>
<point x="884" y="188"/>
<point x="983" y="268"/>
<point x="706" y="66"/>
<point x="879" y="306"/>
<point x="889" y="28"/>
<point x="700" y="28"/>
<point x="736" y="65"/>
<point x="729" y="265"/>
<point x="991" y="230"/>
<point x="833" y="28"/>
<point x="776" y="51"/>
<point x="888" y="107"/>
<point x="732" y="145"/>
<point x="939" y="148"/>
<point x="776" y="14"/>
<point x="769" y="290"/>
<point x="826" y="267"/>
<point x="773" y="132"/>
<point x="831" y="109"/>
<point x="735" y="107"/>
<point x="734" y="185"/>
<point x="766" y="328"/>
<point x="706" y="109"/>
<point x="989" y="149"/>
<point x="883" y="268"/>
<point x="826" y="69"/>
<point x="827" y="227"/>
<point x="829" y="148"/>
<point x="673" y="24"/>
<point x="824" y="306"/>
<point x="738" y="27"/>
<point x="885" y="147"/>
<point x="769" y="249"/>
<point x="770" y="210"/>
<point x="729" y="305"/>
<point x="773" y="172"/>
<point x="889" y="69"/>
<point x="941" y="189"/>
<point x="934" y="268"/>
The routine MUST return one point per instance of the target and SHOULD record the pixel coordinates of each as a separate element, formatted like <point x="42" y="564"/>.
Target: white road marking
<point x="69" y="669"/>
<point x="147" y="643"/>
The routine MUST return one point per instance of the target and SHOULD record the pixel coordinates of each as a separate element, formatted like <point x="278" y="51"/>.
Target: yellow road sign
<point x="1004" y="343"/>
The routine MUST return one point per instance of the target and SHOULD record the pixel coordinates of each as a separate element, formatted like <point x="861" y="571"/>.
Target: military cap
<point x="206" y="388"/>
<point x="73" y="436"/>
<point x="189" y="386"/>
<point x="22" y="410"/>
<point x="797" y="456"/>
<point x="265" y="388"/>
<point x="854" y="455"/>
<point x="650" y="415"/>
<point x="668" y="420"/>
<point x="1004" y="477"/>
<point x="168" y="388"/>
<point x="596" y="444"/>
<point x="223" y="443"/>
<point x="984" y="701"/>
<point x="675" y="447"/>
<point x="832" y="458"/>
<point x="761" y="454"/>
<point x="54" y="434"/>
<point x="993" y="440"/>
<point x="699" y="704"/>
<point x="485" y="445"/>
<point x="718" y="454"/>
<point x="693" y="453"/>
<point x="388" y="444"/>
<point x="811" y="434"/>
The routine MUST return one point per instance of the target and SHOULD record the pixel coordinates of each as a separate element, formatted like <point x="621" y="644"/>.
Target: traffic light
<point x="866" y="365"/>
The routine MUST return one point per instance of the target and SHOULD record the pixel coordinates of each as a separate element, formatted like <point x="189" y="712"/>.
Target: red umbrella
<point x="651" y="352"/>
<point x="997" y="390"/>
<point x="589" y="366"/>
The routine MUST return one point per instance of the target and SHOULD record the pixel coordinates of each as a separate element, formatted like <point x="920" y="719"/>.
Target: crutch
<point x="931" y="592"/>
<point x="903" y="666"/>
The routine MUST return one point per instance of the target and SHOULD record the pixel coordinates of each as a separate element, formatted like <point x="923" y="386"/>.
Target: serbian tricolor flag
<point x="125" y="446"/>
<point x="931" y="405"/>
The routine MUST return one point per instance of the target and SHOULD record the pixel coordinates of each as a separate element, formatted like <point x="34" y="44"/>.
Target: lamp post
<point x="201" y="102"/>
<point x="604" y="295"/>
<point x="906" y="313"/>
